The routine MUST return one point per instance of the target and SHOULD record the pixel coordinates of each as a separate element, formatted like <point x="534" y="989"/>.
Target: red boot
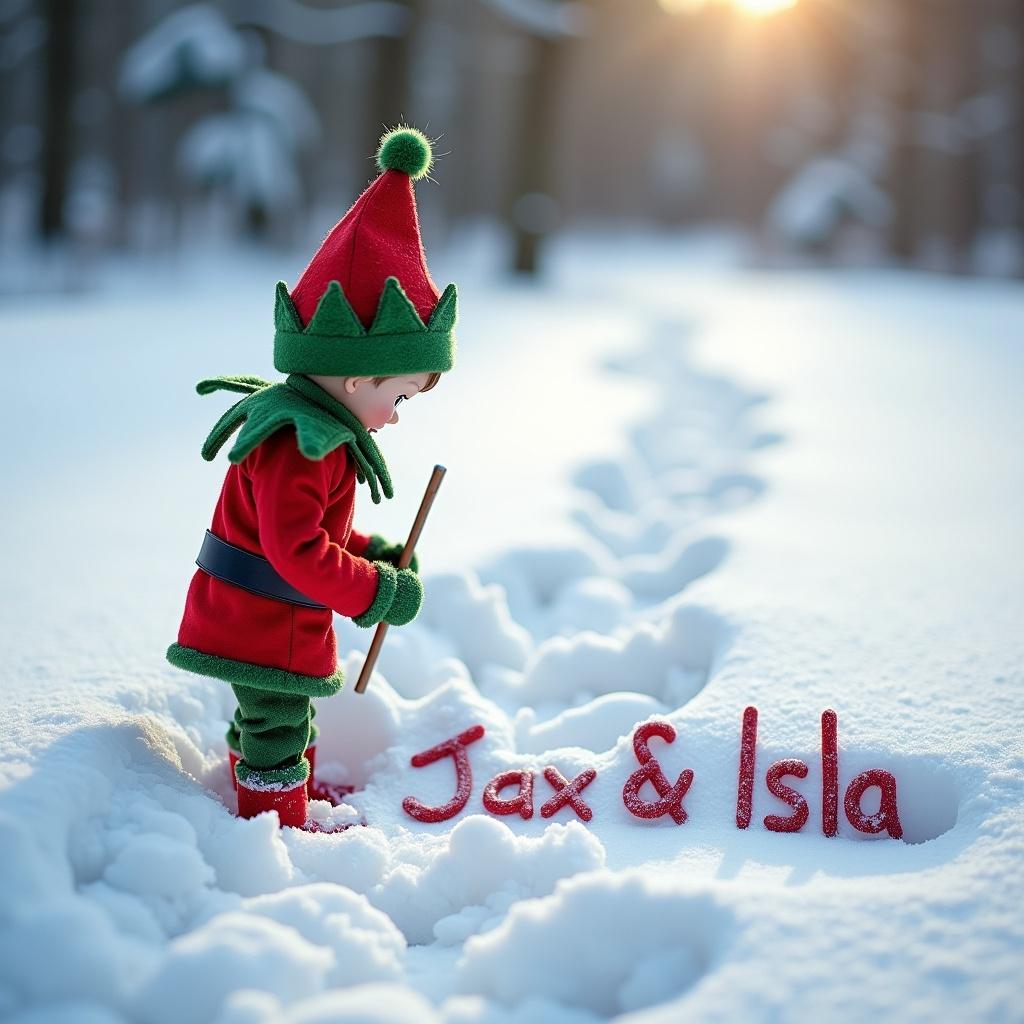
<point x="333" y="793"/>
<point x="290" y="804"/>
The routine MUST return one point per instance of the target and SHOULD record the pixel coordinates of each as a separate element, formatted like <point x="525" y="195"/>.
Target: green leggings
<point x="271" y="730"/>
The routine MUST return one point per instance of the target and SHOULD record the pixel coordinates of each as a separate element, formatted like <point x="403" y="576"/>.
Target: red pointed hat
<point x="366" y="304"/>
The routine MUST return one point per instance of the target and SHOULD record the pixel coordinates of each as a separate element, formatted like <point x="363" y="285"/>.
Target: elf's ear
<point x="351" y="383"/>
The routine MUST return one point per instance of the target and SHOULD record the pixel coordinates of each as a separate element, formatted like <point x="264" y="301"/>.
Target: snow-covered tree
<point x="192" y="48"/>
<point x="252" y="151"/>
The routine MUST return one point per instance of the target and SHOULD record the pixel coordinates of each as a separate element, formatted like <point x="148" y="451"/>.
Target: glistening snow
<point x="681" y="491"/>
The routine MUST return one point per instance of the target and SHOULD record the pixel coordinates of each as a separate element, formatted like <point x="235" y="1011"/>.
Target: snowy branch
<point x="322" y="26"/>
<point x="550" y="19"/>
<point x="191" y="46"/>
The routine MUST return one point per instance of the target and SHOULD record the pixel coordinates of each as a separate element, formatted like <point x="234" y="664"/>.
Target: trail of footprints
<point x="605" y="617"/>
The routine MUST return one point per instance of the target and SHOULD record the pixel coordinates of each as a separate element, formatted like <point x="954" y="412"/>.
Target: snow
<point x="676" y="488"/>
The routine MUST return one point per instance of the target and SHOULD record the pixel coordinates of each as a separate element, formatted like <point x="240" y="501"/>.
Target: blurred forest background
<point x="844" y="131"/>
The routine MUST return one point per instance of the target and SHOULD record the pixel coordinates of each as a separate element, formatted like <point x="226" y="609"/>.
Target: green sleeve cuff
<point x="387" y="585"/>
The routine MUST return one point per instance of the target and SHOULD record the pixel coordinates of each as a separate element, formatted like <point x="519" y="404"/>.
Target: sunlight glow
<point x="683" y="6"/>
<point x="763" y="6"/>
<point x="757" y="8"/>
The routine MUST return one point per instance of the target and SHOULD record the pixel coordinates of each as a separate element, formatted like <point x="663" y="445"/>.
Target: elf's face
<point x="375" y="405"/>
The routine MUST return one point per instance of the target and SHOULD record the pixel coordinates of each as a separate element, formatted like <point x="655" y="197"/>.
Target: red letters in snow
<point x="773" y="779"/>
<point x="829" y="773"/>
<point x="454" y="748"/>
<point x="670" y="797"/>
<point x="521" y="803"/>
<point x="885" y="819"/>
<point x="745" y="789"/>
<point x="567" y="794"/>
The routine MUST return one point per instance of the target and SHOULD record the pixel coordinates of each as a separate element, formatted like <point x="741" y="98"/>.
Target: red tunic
<point x="297" y="513"/>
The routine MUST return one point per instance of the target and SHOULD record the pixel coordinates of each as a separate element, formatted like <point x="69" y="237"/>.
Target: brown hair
<point x="431" y="381"/>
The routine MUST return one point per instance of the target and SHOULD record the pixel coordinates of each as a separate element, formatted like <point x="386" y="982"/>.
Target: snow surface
<point x="676" y="487"/>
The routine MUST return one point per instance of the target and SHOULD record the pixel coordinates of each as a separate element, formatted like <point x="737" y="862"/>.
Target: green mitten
<point x="398" y="599"/>
<point x="408" y="599"/>
<point x="382" y="549"/>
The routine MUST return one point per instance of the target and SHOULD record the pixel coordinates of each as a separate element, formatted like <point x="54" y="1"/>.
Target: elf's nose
<point x="394" y="417"/>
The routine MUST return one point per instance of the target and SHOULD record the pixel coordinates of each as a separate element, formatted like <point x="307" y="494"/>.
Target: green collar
<point x="364" y="442"/>
<point x="321" y="424"/>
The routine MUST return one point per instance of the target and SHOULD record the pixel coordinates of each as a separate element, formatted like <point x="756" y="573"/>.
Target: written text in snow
<point x="569" y="794"/>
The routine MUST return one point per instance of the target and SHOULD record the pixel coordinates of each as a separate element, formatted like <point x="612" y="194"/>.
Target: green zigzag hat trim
<point x="334" y="342"/>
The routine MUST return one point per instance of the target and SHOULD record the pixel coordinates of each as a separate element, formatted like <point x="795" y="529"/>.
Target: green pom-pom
<point x="405" y="149"/>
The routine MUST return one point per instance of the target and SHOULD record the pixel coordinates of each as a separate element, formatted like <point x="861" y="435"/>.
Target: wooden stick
<point x="403" y="563"/>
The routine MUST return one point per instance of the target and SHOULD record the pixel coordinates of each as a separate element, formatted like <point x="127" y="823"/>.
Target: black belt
<point x="250" y="572"/>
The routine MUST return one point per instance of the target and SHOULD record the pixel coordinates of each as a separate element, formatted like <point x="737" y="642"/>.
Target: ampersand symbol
<point x="671" y="797"/>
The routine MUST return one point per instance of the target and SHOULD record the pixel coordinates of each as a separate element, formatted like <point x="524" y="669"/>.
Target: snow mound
<point x="607" y="943"/>
<point x="470" y="881"/>
<point x="233" y="951"/>
<point x="365" y="943"/>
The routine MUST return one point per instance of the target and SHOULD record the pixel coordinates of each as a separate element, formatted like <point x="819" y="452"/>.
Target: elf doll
<point x="364" y="329"/>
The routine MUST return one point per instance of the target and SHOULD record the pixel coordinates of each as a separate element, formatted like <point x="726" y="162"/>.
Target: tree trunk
<point x="906" y="159"/>
<point x="57" y="144"/>
<point x="391" y="97"/>
<point x="533" y="209"/>
<point x="947" y="180"/>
